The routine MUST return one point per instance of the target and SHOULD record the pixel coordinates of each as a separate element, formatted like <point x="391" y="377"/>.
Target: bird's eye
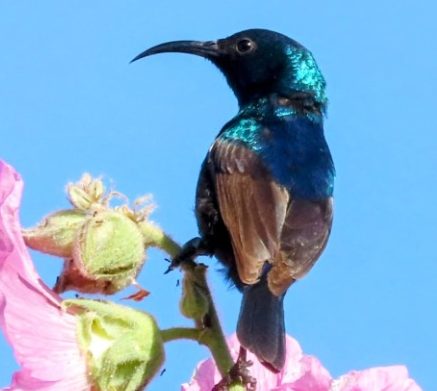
<point x="245" y="46"/>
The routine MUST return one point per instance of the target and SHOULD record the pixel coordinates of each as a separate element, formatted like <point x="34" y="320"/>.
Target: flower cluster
<point x="102" y="247"/>
<point x="72" y="345"/>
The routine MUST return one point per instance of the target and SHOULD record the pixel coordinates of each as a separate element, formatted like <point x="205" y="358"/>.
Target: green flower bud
<point x="194" y="303"/>
<point x="79" y="198"/>
<point x="86" y="192"/>
<point x="123" y="345"/>
<point x="109" y="246"/>
<point x="56" y="233"/>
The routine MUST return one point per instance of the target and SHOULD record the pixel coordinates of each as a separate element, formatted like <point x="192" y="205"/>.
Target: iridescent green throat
<point x="303" y="74"/>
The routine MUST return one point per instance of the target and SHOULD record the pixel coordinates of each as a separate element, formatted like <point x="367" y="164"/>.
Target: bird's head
<point x="257" y="62"/>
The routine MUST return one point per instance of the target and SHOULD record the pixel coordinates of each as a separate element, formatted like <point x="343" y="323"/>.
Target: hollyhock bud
<point x="56" y="233"/>
<point x="194" y="303"/>
<point x="109" y="246"/>
<point x="103" y="247"/>
<point x="85" y="193"/>
<point x="123" y="345"/>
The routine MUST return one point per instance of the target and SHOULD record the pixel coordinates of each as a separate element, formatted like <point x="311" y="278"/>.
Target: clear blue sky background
<point x="70" y="102"/>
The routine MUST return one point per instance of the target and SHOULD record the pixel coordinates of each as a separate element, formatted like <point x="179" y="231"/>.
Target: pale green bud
<point x="124" y="346"/>
<point x="194" y="302"/>
<point x="85" y="193"/>
<point x="96" y="189"/>
<point x="79" y="198"/>
<point x="56" y="233"/>
<point x="110" y="247"/>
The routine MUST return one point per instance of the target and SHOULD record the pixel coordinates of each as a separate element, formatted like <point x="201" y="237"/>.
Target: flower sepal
<point x="87" y="192"/>
<point x="109" y="246"/>
<point x="194" y="302"/>
<point x="124" y="346"/>
<point x="56" y="233"/>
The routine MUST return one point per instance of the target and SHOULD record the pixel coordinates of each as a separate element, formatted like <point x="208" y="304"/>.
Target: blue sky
<point x="70" y="102"/>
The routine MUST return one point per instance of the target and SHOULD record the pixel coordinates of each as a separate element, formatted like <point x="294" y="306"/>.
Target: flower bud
<point x="124" y="346"/>
<point x="109" y="246"/>
<point x="56" y="233"/>
<point x="194" y="303"/>
<point x="86" y="192"/>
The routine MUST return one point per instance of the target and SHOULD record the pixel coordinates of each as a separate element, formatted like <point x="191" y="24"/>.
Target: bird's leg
<point x="238" y="374"/>
<point x="190" y="250"/>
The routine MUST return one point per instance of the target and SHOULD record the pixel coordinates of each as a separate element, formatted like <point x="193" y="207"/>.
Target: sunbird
<point x="264" y="199"/>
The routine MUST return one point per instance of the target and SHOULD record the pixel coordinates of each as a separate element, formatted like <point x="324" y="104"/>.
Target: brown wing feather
<point x="304" y="236"/>
<point x="253" y="207"/>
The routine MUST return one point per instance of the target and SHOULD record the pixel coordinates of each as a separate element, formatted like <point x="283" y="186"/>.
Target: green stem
<point x="211" y="334"/>
<point x="155" y="236"/>
<point x="180" y="333"/>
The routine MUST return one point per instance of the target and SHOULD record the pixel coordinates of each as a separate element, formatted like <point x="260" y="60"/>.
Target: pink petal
<point x="42" y="335"/>
<point x="394" y="378"/>
<point x="310" y="375"/>
<point x="301" y="372"/>
<point x="205" y="377"/>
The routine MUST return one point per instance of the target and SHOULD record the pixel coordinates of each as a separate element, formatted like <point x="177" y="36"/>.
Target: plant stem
<point x="212" y="333"/>
<point x="155" y="236"/>
<point x="208" y="330"/>
<point x="180" y="333"/>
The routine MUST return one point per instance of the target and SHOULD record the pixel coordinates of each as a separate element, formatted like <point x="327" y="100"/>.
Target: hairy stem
<point x="155" y="236"/>
<point x="212" y="333"/>
<point x="208" y="330"/>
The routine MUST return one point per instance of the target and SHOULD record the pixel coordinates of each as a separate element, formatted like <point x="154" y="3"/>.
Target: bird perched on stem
<point x="264" y="198"/>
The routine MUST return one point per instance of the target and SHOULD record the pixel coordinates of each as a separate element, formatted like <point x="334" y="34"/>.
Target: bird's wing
<point x="304" y="236"/>
<point x="252" y="205"/>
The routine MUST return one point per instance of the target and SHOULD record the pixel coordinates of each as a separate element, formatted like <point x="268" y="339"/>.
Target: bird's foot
<point x="238" y="374"/>
<point x="190" y="250"/>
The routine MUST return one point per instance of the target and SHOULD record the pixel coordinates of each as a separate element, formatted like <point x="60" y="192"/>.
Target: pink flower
<point x="43" y="336"/>
<point x="304" y="373"/>
<point x="394" y="378"/>
<point x="301" y="372"/>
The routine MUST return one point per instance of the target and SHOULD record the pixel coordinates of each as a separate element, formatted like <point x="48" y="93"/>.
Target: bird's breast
<point x="294" y="151"/>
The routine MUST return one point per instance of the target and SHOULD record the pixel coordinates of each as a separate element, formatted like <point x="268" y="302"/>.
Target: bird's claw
<point x="190" y="250"/>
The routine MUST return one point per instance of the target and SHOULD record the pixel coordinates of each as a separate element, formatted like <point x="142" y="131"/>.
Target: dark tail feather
<point x="261" y="326"/>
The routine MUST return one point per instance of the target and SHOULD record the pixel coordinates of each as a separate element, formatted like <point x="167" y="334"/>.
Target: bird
<point x="264" y="198"/>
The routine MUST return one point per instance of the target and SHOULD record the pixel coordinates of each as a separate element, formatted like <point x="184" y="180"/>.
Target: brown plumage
<point x="265" y="224"/>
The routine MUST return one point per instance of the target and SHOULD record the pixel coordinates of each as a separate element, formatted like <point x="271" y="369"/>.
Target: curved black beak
<point x="207" y="49"/>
